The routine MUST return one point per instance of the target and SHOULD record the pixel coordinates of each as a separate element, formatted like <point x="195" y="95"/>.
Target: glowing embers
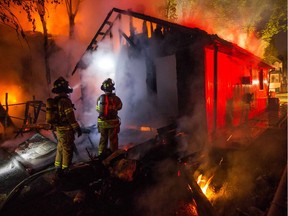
<point x="188" y="209"/>
<point x="141" y="128"/>
<point x="144" y="128"/>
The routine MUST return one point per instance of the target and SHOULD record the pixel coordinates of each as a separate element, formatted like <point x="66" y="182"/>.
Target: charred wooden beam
<point x="36" y="105"/>
<point x="163" y="23"/>
<point x="204" y="207"/>
<point x="167" y="25"/>
<point x="5" y="119"/>
<point x="94" y="43"/>
<point x="131" y="43"/>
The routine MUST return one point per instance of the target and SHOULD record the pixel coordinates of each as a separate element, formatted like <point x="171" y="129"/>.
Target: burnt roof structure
<point x="189" y="34"/>
<point x="207" y="70"/>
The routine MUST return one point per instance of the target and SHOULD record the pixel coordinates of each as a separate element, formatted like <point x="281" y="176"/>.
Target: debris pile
<point x="153" y="178"/>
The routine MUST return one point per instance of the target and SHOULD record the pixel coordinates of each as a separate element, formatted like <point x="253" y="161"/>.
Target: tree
<point x="8" y="18"/>
<point x="271" y="53"/>
<point x="276" y="24"/>
<point x="72" y="7"/>
<point x="8" y="9"/>
<point x="277" y="21"/>
<point x="169" y="10"/>
<point x="261" y="17"/>
<point x="30" y="7"/>
<point x="41" y="11"/>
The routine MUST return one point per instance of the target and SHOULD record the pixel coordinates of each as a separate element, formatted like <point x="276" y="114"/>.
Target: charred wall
<point x="191" y="82"/>
<point x="188" y="49"/>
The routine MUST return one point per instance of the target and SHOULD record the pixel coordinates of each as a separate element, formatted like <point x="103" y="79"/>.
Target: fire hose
<point x="20" y="186"/>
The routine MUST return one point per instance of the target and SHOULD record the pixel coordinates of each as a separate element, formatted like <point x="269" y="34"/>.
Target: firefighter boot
<point x="57" y="175"/>
<point x="65" y="173"/>
<point x="58" y="172"/>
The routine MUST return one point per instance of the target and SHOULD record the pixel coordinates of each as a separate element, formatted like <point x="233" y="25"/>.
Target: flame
<point x="58" y="23"/>
<point x="145" y="129"/>
<point x="140" y="128"/>
<point x="204" y="185"/>
<point x="13" y="94"/>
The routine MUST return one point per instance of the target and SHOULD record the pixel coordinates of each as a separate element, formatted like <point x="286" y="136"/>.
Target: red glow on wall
<point x="209" y="86"/>
<point x="239" y="97"/>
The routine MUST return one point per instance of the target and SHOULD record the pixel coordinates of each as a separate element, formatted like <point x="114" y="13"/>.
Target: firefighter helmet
<point x="108" y="85"/>
<point x="61" y="86"/>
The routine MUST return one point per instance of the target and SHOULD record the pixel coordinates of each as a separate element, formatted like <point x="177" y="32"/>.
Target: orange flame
<point x="140" y="128"/>
<point x="13" y="93"/>
<point x="12" y="96"/>
<point x="146" y="129"/>
<point x="204" y="185"/>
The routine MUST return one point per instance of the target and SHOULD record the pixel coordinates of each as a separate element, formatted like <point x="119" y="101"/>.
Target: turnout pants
<point x="65" y="147"/>
<point x="108" y="134"/>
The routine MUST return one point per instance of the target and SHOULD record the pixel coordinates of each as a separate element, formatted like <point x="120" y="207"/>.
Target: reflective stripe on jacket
<point x="64" y="128"/>
<point x="67" y="116"/>
<point x="112" y="123"/>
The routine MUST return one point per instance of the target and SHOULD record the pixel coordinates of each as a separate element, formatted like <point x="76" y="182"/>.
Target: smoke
<point x="139" y="108"/>
<point x="162" y="198"/>
<point x="233" y="21"/>
<point x="113" y="60"/>
<point x="22" y="63"/>
<point x="236" y="22"/>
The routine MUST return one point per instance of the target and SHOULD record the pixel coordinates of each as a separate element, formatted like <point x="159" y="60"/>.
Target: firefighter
<point x="108" y="105"/>
<point x="66" y="126"/>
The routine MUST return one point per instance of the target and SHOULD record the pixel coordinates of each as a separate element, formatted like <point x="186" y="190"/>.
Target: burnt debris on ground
<point x="154" y="178"/>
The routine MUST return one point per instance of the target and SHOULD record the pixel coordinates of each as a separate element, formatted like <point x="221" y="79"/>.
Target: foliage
<point x="30" y="7"/>
<point x="264" y="18"/>
<point x="277" y="21"/>
<point x="9" y="19"/>
<point x="271" y="53"/>
<point x="169" y="10"/>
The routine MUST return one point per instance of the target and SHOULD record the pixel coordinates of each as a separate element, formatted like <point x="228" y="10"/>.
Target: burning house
<point x="164" y="72"/>
<point x="183" y="72"/>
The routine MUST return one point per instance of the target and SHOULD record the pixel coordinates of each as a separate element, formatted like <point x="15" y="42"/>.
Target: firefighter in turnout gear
<point x="108" y="105"/>
<point x="65" y="123"/>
